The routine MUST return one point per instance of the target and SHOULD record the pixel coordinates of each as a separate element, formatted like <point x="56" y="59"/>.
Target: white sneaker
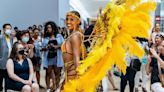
<point x="48" y="90"/>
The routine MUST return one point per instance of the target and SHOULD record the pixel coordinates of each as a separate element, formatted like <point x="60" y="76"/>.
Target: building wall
<point x="162" y="16"/>
<point x="64" y="7"/>
<point x="23" y="13"/>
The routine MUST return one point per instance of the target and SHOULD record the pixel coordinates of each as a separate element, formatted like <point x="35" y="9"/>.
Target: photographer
<point x="160" y="56"/>
<point x="153" y="67"/>
<point x="51" y="45"/>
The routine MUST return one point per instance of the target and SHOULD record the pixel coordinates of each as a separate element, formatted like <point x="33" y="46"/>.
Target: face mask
<point x="25" y="39"/>
<point x="21" y="52"/>
<point x="8" y="32"/>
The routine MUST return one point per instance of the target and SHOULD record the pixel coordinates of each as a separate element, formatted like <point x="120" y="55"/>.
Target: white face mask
<point x="8" y="32"/>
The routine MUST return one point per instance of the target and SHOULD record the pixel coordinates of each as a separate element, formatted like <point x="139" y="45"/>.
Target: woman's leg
<point x="38" y="76"/>
<point x="26" y="88"/>
<point x="57" y="71"/>
<point x="111" y="80"/>
<point x="38" y="73"/>
<point x="35" y="87"/>
<point x="53" y="80"/>
<point x="48" y="76"/>
<point x="124" y="79"/>
<point x="131" y="76"/>
<point x="38" y="60"/>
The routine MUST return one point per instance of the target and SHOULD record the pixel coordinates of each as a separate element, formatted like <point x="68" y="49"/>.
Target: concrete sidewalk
<point x="106" y="85"/>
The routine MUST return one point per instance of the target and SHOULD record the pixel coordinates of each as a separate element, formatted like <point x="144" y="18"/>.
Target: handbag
<point x="161" y="76"/>
<point x="135" y="64"/>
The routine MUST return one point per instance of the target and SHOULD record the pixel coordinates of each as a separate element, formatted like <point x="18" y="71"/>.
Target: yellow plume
<point x="119" y="23"/>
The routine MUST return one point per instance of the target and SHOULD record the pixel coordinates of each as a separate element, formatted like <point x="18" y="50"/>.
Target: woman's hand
<point x="27" y="82"/>
<point x="154" y="53"/>
<point x="43" y="49"/>
<point x="55" y="46"/>
<point x="31" y="46"/>
<point x="48" y="46"/>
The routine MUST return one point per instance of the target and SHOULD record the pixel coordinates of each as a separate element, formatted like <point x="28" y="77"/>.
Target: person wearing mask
<point x="24" y="40"/>
<point x="5" y="49"/>
<point x="20" y="71"/>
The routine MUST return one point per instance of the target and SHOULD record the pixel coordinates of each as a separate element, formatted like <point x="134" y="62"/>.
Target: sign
<point x="157" y="18"/>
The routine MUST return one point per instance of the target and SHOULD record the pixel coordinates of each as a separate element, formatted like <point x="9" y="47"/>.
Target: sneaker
<point x="48" y="90"/>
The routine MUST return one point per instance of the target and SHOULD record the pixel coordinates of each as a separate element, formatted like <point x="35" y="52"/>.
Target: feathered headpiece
<point x="115" y="29"/>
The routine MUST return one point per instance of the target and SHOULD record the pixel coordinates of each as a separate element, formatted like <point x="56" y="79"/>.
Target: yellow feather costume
<point x="119" y="23"/>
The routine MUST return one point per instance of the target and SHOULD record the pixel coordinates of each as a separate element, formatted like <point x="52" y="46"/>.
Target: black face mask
<point x="21" y="52"/>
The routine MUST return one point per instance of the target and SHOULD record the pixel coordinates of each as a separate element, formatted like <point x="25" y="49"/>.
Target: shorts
<point x="36" y="61"/>
<point x="52" y="61"/>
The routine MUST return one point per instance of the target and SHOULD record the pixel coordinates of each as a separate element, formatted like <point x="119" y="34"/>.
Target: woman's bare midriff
<point x="67" y="57"/>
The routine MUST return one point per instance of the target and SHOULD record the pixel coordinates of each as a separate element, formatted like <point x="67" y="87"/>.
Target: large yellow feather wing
<point x="117" y="26"/>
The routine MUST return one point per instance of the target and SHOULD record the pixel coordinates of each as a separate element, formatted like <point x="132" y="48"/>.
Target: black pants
<point x="3" y="74"/>
<point x="129" y="76"/>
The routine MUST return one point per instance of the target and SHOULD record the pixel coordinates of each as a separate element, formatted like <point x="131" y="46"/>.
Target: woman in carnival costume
<point x="112" y="38"/>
